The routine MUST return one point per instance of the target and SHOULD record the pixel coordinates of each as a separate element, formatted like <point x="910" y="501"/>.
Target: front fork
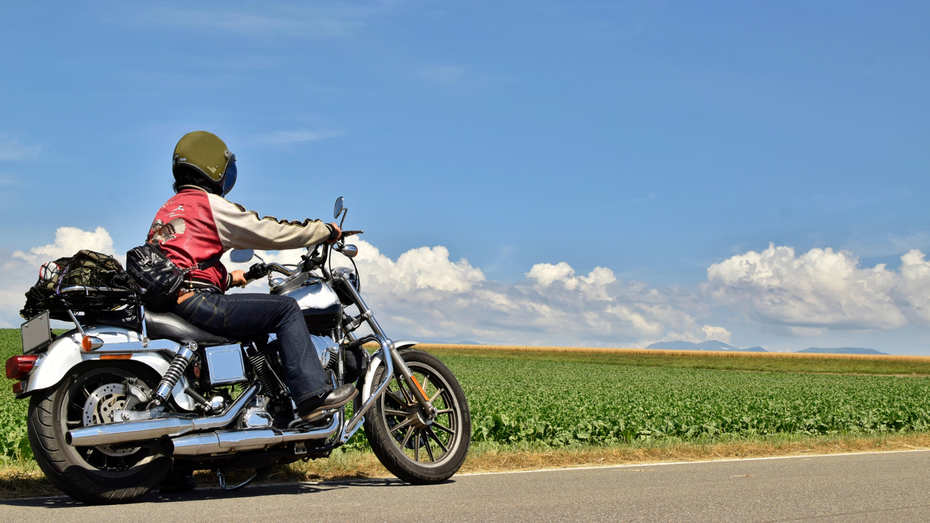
<point x="418" y="393"/>
<point x="401" y="370"/>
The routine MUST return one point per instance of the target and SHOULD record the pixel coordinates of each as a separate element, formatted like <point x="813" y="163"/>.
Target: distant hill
<point x="705" y="346"/>
<point x="841" y="350"/>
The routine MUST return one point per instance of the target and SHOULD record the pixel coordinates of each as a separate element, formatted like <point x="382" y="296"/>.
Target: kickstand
<point x="260" y="473"/>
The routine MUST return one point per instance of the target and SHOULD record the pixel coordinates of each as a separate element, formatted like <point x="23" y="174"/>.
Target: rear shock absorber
<point x="174" y="373"/>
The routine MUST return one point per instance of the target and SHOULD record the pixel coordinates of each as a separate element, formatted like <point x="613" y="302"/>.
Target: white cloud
<point x="69" y="240"/>
<point x="822" y="289"/>
<point x="716" y="333"/>
<point x="427" y="295"/>
<point x="593" y="286"/>
<point x="913" y="287"/>
<point x="426" y="270"/>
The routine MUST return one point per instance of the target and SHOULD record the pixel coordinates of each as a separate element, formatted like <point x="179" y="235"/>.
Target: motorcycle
<point x="114" y="408"/>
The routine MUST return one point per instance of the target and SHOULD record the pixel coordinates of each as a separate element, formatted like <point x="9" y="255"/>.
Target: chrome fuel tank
<point x="320" y="305"/>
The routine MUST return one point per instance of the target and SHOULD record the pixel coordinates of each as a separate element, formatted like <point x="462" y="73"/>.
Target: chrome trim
<point x="76" y="323"/>
<point x="135" y="346"/>
<point x="225" y="364"/>
<point x="125" y="432"/>
<point x="229" y="415"/>
<point x="231" y="441"/>
<point x="95" y="343"/>
<point x="110" y="433"/>
<point x="86" y="289"/>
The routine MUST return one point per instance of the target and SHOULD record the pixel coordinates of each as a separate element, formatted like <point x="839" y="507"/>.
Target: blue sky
<point x="545" y="172"/>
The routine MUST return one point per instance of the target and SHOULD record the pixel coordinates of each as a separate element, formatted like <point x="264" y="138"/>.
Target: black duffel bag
<point x="158" y="278"/>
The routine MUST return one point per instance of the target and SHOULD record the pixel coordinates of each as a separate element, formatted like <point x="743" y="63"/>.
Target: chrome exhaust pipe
<point x="128" y="431"/>
<point x="229" y="441"/>
<point x="110" y="433"/>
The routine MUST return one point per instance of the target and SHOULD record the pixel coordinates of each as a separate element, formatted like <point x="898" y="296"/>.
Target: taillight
<point x="18" y="367"/>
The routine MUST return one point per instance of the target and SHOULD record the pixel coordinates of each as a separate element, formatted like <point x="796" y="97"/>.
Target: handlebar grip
<point x="255" y="272"/>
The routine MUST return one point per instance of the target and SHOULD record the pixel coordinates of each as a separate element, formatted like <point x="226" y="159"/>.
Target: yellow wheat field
<point x="660" y="352"/>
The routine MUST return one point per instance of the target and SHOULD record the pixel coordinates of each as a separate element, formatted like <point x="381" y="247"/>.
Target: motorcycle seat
<point x="165" y="325"/>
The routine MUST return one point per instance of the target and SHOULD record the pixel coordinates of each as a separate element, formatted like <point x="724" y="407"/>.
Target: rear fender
<point x="65" y="353"/>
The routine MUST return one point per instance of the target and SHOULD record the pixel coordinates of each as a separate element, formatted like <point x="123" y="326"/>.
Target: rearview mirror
<point x="337" y="210"/>
<point x="241" y="255"/>
<point x="350" y="250"/>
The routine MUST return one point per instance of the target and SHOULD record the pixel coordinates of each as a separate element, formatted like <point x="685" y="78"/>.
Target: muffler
<point x="228" y="441"/>
<point x="129" y="431"/>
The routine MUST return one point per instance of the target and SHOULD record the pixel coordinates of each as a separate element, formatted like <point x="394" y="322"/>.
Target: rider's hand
<point x="335" y="234"/>
<point x="238" y="278"/>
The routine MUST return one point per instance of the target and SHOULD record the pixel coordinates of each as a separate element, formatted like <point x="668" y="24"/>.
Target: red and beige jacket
<point x="195" y="226"/>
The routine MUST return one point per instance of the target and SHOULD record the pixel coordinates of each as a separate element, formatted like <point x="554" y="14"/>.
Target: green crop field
<point x="14" y="446"/>
<point x="570" y="403"/>
<point x="598" y="398"/>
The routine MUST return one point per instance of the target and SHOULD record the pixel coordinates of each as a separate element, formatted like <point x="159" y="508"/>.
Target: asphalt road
<point x="891" y="486"/>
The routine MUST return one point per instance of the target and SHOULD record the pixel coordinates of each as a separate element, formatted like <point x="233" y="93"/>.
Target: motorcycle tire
<point x="411" y="446"/>
<point x="93" y="475"/>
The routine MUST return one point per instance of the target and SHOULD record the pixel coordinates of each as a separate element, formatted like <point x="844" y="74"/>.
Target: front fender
<point x="65" y="353"/>
<point x="376" y="362"/>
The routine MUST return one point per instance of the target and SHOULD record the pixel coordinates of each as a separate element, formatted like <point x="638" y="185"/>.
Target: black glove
<point x="256" y="271"/>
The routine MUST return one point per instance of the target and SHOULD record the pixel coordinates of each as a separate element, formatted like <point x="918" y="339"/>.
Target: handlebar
<point x="277" y="267"/>
<point x="260" y="270"/>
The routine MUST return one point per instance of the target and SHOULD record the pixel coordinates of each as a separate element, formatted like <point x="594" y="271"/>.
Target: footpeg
<point x="323" y="418"/>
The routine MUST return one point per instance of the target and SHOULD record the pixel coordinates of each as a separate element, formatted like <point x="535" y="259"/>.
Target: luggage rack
<point x="88" y="302"/>
<point x="90" y="285"/>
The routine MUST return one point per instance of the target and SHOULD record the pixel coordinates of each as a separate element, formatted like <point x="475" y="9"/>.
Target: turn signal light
<point x="89" y="343"/>
<point x="18" y="367"/>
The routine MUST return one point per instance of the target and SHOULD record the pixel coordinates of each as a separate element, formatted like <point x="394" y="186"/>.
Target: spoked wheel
<point x="100" y="474"/>
<point x="415" y="446"/>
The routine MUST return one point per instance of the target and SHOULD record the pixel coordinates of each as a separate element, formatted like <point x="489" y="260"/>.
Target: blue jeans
<point x="246" y="315"/>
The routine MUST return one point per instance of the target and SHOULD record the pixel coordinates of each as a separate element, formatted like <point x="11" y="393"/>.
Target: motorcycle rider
<point x="198" y="225"/>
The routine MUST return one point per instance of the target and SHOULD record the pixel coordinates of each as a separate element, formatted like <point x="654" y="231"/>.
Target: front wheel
<point x="411" y="445"/>
<point x="101" y="474"/>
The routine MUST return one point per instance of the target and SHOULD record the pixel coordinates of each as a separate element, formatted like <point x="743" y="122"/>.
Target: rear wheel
<point x="101" y="474"/>
<point x="412" y="445"/>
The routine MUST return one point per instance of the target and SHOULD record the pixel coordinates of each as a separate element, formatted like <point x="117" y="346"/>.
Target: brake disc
<point x="99" y="409"/>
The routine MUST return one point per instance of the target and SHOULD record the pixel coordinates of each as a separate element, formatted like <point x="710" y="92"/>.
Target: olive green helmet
<point x="204" y="157"/>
